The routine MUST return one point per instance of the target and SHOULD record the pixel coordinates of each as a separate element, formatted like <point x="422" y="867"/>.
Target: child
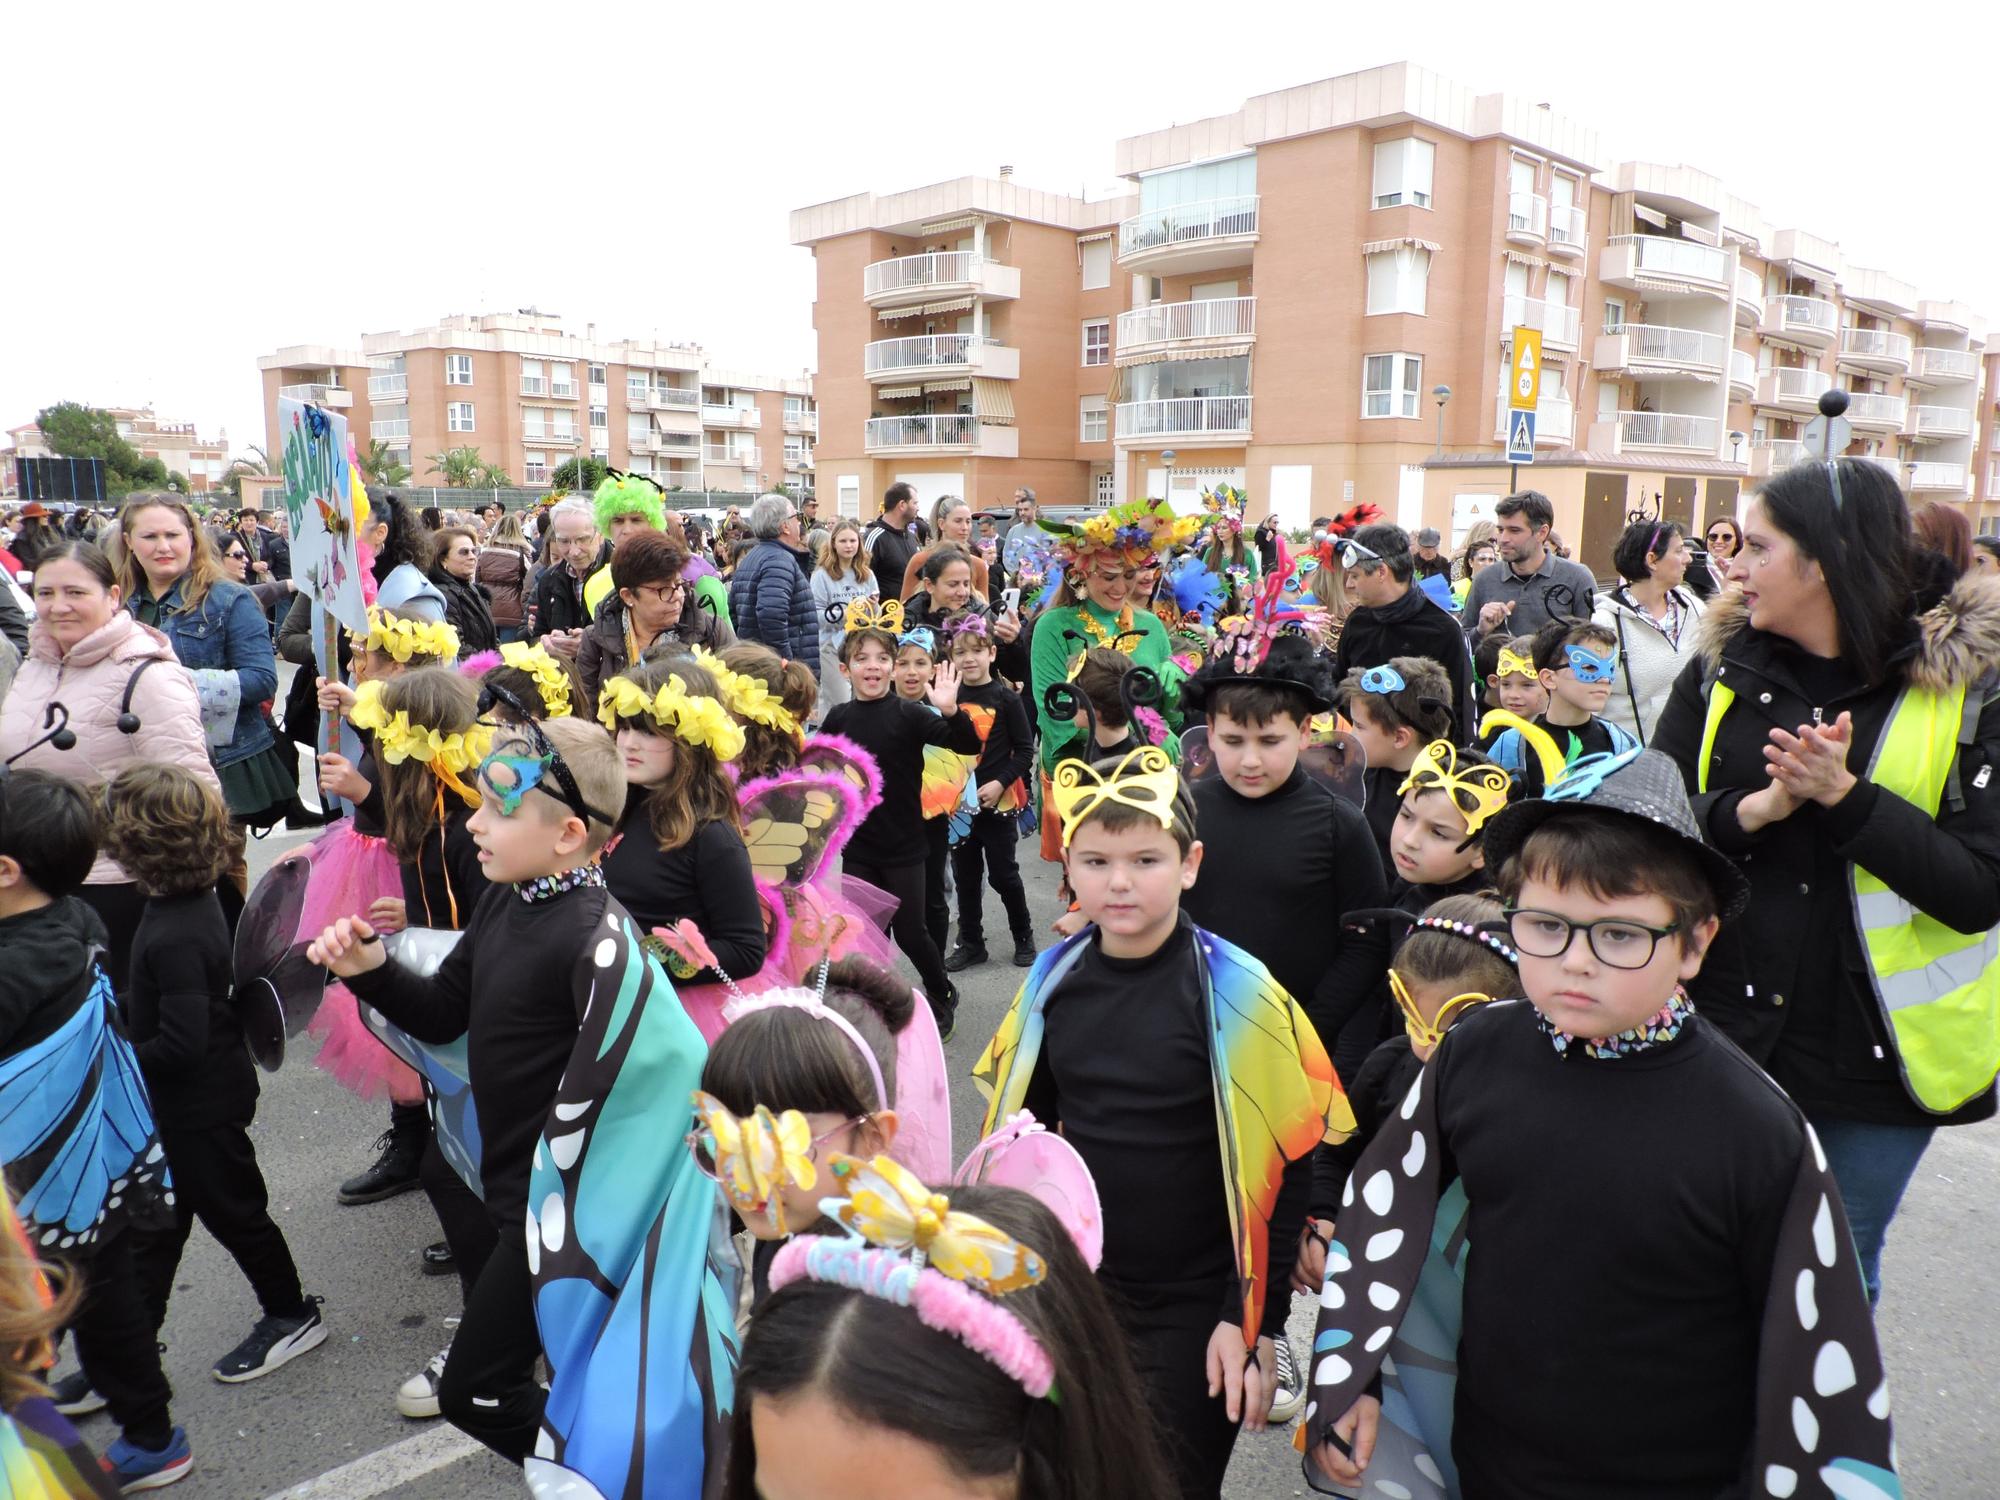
<point x="1396" y="709"/>
<point x="574" y="1043"/>
<point x="528" y="682"/>
<point x="889" y="848"/>
<point x="1578" y="665"/>
<point x="170" y="831"/>
<point x="1514" y="682"/>
<point x="1443" y="807"/>
<point x="864" y="1375"/>
<point x="74" y="1118"/>
<point x="772" y="718"/>
<point x="1164" y="1043"/>
<point x="947" y="780"/>
<point x="987" y="850"/>
<point x="1097" y="676"/>
<point x="1611" y="1155"/>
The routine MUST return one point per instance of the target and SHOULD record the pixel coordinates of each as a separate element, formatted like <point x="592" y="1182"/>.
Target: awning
<point x="942" y="387"/>
<point x="1196" y="351"/>
<point x="892" y="314"/>
<point x="1651" y="216"/>
<point x="957" y="304"/>
<point x="1381" y="247"/>
<point x="1530" y="261"/>
<point x="1116" y="393"/>
<point x="1101" y="234"/>
<point x="898" y="392"/>
<point x="993" y="401"/>
<point x="944" y="226"/>
<point x="1674" y="288"/>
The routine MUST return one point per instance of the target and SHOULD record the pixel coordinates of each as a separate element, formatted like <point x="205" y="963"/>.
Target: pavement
<point x="325" y="1427"/>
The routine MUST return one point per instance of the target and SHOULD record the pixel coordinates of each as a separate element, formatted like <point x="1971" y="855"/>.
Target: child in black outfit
<point x="1007" y="754"/>
<point x="171" y="833"/>
<point x="1578" y="662"/>
<point x="945" y="778"/>
<point x="1396" y="708"/>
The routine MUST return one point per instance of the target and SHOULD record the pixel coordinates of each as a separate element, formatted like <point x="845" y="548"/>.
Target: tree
<point x="582" y="474"/>
<point x="379" y="466"/>
<point x="73" y="430"/>
<point x="459" y="468"/>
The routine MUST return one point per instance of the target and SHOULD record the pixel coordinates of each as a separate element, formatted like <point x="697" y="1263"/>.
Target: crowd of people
<point x="1638" y="931"/>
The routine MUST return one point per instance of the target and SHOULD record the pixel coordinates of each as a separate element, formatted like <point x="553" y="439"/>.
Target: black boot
<point x="970" y="951"/>
<point x="1024" y="950"/>
<point x="395" y="1170"/>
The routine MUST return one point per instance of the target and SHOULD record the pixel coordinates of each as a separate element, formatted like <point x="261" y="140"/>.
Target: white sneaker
<point x="1291" y="1393"/>
<point x="417" y="1397"/>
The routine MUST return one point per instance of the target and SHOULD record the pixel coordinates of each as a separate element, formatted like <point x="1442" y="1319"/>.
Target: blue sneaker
<point x="133" y="1468"/>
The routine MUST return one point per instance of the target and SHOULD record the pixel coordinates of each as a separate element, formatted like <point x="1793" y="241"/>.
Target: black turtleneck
<point x="707" y="879"/>
<point x="49" y="969"/>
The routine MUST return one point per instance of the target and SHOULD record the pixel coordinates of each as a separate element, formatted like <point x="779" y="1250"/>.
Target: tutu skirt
<point x="351" y="871"/>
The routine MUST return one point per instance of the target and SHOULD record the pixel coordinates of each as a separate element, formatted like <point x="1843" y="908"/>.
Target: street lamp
<point x="1443" y="394"/>
<point x="1735" y="447"/>
<point x="1167" y="458"/>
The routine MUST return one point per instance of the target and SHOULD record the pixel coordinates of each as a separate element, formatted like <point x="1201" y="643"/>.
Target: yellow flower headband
<point x="748" y="697"/>
<point x="398" y="738"/>
<point x="866" y="614"/>
<point x="1144" y="779"/>
<point x="1478" y="792"/>
<point x="1517" y="666"/>
<point x="551" y="681"/>
<point x="401" y="638"/>
<point x="694" y="720"/>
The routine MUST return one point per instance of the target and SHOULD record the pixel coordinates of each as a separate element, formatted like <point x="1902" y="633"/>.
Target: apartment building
<point x="530" y="395"/>
<point x="1315" y="297"/>
<point x="178" y="445"/>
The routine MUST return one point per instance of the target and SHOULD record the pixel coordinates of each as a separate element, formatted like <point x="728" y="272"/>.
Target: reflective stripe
<point x="1883" y="908"/>
<point x="1941" y="976"/>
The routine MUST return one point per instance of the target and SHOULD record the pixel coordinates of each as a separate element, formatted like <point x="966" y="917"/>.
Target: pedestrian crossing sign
<point x="1520" y="437"/>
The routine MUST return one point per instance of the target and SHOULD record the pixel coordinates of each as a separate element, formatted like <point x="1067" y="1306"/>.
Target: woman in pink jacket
<point x="129" y="701"/>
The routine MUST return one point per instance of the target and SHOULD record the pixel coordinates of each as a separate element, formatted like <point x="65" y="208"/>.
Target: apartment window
<point x="537" y="471"/>
<point x="600" y="416"/>
<point x="458" y="414"/>
<point x="635" y="388"/>
<point x="1105" y="487"/>
<point x="597" y="374"/>
<point x="1203" y="182"/>
<point x="532" y="420"/>
<point x="796" y="452"/>
<point x="636" y="429"/>
<point x="563" y="424"/>
<point x="562" y="380"/>
<point x="1403" y="173"/>
<point x="1096" y="265"/>
<point x="458" y="371"/>
<point x="1614" y="315"/>
<point x="1391" y="385"/>
<point x="532" y="382"/>
<point x="1097" y="341"/>
<point x="1093" y="420"/>
<point x="1398" y="280"/>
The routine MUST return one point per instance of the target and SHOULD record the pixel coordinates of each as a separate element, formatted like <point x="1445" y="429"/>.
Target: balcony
<point x="1769" y="455"/>
<point x="1943" y="366"/>
<point x="390" y="430"/>
<point x="1662" y="266"/>
<point x="320" y="394"/>
<point x="1792" y="388"/>
<point x="560" y="390"/>
<point x="1187" y="324"/>
<point x="1555" y="420"/>
<point x="550" y="439"/>
<point x="939" y="354"/>
<point x="1742" y="375"/>
<point x="1654" y="349"/>
<point x="534" y="385"/>
<point x="1875" y="349"/>
<point x="1561" y="326"/>
<point x="1801" y="320"/>
<point x="1202" y="236"/>
<point x="667" y="398"/>
<point x="671" y="445"/>
<point x="388" y="387"/>
<point x="801" y="421"/>
<point x="1871" y="411"/>
<point x="942" y="432"/>
<point x="1527" y="218"/>
<point x="1569" y="229"/>
<point x="941" y="273"/>
<point x="1935" y="476"/>
<point x="1667" y="429"/>
<point x="731" y="416"/>
<point x="1205" y="420"/>
<point x="721" y="454"/>
<point x="1749" y="297"/>
<point x="1934" y="424"/>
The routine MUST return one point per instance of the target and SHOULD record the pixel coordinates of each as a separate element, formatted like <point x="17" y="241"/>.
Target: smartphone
<point x="1010" y="600"/>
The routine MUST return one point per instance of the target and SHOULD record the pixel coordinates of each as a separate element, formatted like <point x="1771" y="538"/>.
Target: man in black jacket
<point x="1392" y="618"/>
<point x="576" y="550"/>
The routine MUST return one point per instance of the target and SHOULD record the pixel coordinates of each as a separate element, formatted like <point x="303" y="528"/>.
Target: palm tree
<point x="492" y="477"/>
<point x="232" y="477"/>
<point x="460" y="468"/>
<point x="379" y="466"/>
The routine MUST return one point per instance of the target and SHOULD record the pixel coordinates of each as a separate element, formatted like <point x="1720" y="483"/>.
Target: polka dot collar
<point x="548" y="887"/>
<point x="1656" y="1031"/>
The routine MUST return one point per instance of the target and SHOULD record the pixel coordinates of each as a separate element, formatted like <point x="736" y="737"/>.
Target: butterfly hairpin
<point x="871" y="614"/>
<point x="888" y="1205"/>
<point x="1586" y="774"/>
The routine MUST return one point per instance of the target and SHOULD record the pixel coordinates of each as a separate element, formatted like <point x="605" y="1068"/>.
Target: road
<point x="326" y="1426"/>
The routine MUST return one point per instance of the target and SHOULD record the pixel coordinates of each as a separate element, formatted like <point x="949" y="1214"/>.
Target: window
<point x="636" y="430"/>
<point x="1093" y="420"/>
<point x="597" y="374"/>
<point x="1105" y="487"/>
<point x="458" y="371"/>
<point x="600" y="417"/>
<point x="532" y="383"/>
<point x="635" y="388"/>
<point x="1391" y="385"/>
<point x="1096" y="265"/>
<point x="1614" y="314"/>
<point x="563" y="424"/>
<point x="537" y="471"/>
<point x="1232" y="177"/>
<point x="1403" y="173"/>
<point x="532" y="418"/>
<point x="1097" y="341"/>
<point x="562" y="380"/>
<point x="458" y="415"/>
<point x="1397" y="280"/>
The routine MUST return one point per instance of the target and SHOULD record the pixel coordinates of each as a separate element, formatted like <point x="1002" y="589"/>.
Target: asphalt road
<point x="326" y="1425"/>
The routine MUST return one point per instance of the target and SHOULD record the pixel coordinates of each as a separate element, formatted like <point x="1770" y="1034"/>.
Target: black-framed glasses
<point x="665" y="593"/>
<point x="1617" y="942"/>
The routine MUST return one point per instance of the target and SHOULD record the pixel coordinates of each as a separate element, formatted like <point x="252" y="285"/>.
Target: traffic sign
<point x="1825" y="437"/>
<point x="1520" y="437"/>
<point x="1524" y="379"/>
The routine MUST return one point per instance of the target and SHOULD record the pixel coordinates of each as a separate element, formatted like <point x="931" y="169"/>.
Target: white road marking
<point x="438" y="1447"/>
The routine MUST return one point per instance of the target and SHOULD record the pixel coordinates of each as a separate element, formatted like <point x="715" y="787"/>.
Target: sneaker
<point x="1291" y="1394"/>
<point x="394" y="1171"/>
<point x="417" y="1397"/>
<point x="964" y="956"/>
<point x="438" y="1260"/>
<point x="1024" y="953"/>
<point x="74" y="1397"/>
<point x="272" y="1343"/>
<point x="133" y="1468"/>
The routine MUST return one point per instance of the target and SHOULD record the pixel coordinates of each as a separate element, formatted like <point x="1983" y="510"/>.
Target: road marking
<point x="388" y="1468"/>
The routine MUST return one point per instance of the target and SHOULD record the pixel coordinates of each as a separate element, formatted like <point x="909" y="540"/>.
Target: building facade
<point x="1315" y="297"/>
<point x="529" y="396"/>
<point x="178" y="445"/>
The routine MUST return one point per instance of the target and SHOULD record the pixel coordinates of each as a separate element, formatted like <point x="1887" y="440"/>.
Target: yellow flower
<point x="692" y="720"/>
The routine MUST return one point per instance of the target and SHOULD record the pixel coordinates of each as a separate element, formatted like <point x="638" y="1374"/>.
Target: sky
<point x="242" y="179"/>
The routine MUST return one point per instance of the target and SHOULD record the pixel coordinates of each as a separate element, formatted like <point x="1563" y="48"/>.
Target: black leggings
<point x="907" y="884"/>
<point x="468" y="1228"/>
<point x="937" y="907"/>
<point x="991" y="845"/>
<point x="1168" y="1336"/>
<point x="489" y="1390"/>
<point x="115" y="1344"/>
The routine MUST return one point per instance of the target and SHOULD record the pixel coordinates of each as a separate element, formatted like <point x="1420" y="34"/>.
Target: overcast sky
<point x="196" y="186"/>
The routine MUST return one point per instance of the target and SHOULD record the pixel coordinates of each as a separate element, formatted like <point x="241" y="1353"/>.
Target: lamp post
<point x="1442" y="394"/>
<point x="1735" y="447"/>
<point x="1167" y="458"/>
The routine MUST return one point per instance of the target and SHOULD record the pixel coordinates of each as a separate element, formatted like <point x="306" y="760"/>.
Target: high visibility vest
<point x="1938" y="990"/>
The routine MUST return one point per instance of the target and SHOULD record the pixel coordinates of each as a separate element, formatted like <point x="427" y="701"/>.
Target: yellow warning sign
<point x="1525" y="369"/>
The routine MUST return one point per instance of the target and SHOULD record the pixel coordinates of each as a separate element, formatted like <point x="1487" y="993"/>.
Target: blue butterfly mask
<point x="1589" y="666"/>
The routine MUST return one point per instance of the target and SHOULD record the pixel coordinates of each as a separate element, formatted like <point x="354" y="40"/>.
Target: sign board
<point x="319" y="494"/>
<point x="1825" y="436"/>
<point x="1520" y="437"/>
<point x="1524" y="369"/>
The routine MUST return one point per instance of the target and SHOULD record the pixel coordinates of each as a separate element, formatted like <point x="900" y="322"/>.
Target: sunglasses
<point x="1354" y="555"/>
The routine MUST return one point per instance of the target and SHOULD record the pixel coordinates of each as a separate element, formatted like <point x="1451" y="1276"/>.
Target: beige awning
<point x="1196" y="351"/>
<point x="898" y="392"/>
<point x="1101" y="234"/>
<point x="1116" y="392"/>
<point x="945" y="226"/>
<point x="1673" y="288"/>
<point x="993" y="401"/>
<point x="893" y="314"/>
<point x="1381" y="247"/>
<point x="1530" y="261"/>
<point x="1651" y="216"/>
<point x="957" y="304"/>
<point x="942" y="387"/>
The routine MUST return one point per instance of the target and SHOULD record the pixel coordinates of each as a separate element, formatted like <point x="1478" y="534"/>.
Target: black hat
<point x="1642" y="784"/>
<point x="1291" y="662"/>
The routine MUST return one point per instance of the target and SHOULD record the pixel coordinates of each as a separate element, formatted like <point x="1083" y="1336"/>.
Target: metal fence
<point x="525" y="497"/>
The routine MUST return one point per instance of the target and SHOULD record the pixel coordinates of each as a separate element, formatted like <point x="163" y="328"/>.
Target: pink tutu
<point x="350" y="872"/>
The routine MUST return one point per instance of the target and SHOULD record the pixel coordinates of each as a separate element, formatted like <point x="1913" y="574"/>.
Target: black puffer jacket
<point x="1412" y="626"/>
<point x="468" y="608"/>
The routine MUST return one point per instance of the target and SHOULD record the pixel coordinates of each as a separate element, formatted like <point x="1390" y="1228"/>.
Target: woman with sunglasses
<point x="235" y="558"/>
<point x="1656" y="619"/>
<point x="1838" y="731"/>
<point x="650" y="608"/>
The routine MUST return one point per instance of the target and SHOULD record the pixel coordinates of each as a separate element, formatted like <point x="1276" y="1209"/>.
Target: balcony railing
<point x="1769" y="455"/>
<point x="1742" y="370"/>
<point x="1666" y="429"/>
<point x="801" y="421"/>
<point x="722" y="454"/>
<point x="319" y="393"/>
<point x="939" y="430"/>
<point x="1555" y="419"/>
<point x="534" y="385"/>
<point x="1875" y="409"/>
<point x="1211" y="318"/>
<point x="1792" y="385"/>
<point x="1560" y="324"/>
<point x="1658" y="255"/>
<point x="1874" y="346"/>
<point x="731" y="416"/>
<point x="1801" y="317"/>
<point x="1527" y="216"/>
<point x="1938" y="422"/>
<point x="662" y="397"/>
<point x="550" y="439"/>
<point x="1939" y="365"/>
<point x="1749" y="295"/>
<point x="399" y="429"/>
<point x="1179" y="416"/>
<point x="1188" y="223"/>
<point x="387" y="385"/>
<point x="672" y="444"/>
<point x="1937" y="476"/>
<point x="1672" y="348"/>
<point x="563" y="391"/>
<point x="1569" y="228"/>
<point x="919" y="352"/>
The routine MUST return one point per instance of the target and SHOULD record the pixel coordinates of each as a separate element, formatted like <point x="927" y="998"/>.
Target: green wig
<point x="626" y="495"/>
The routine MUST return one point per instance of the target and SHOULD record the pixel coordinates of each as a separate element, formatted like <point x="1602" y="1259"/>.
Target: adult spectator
<point x="1425" y="560"/>
<point x="1725" y="540"/>
<point x="1656" y="619"/>
<point x="1474" y="553"/>
<point x="843" y="575"/>
<point x="1392" y="617"/>
<point x="1822" y="738"/>
<point x="271" y="595"/>
<point x="1986" y="556"/>
<point x="770" y="598"/>
<point x="468" y="607"/>
<point x="1530" y="585"/>
<point x="652" y="607"/>
<point x="1944" y="544"/>
<point x="88" y="654"/>
<point x="13" y="619"/>
<point x="576" y="553"/>
<point x="952" y="518"/>
<point x="34" y="535"/>
<point x="888" y="536"/>
<point x="1024" y="537"/>
<point x="489" y="517"/>
<point x="505" y="568"/>
<point x="622" y="504"/>
<point x="1267" y="542"/>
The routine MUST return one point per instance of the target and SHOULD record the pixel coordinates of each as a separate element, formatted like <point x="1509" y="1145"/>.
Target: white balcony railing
<point x="1792" y="385"/>
<point x="1742" y="369"/>
<point x="669" y="397"/>
<point x="722" y="454"/>
<point x="672" y="444"/>
<point x="919" y="352"/>
<point x="1186" y="223"/>
<point x="1769" y="455"/>
<point x="563" y="391"/>
<point x="1528" y="215"/>
<point x="1667" y="429"/>
<point x="1939" y="421"/>
<point x="319" y="392"/>
<point x="1569" y="227"/>
<point x="1793" y="314"/>
<point x="1937" y="476"/>
<point x="1875" y="409"/>
<point x="1944" y="364"/>
<point x="1560" y="324"/>
<point x="939" y="430"/>
<point x="731" y="416"/>
<point x="1555" y="419"/>
<point x="1677" y="348"/>
<point x="1211" y="318"/>
<point x="1750" y="292"/>
<point x="931" y="269"/>
<point x="1875" y="345"/>
<point x="398" y="429"/>
<point x="1184" y="415"/>
<point x="1658" y="255"/>
<point x="387" y="385"/>
<point x="801" y="421"/>
<point x="534" y="385"/>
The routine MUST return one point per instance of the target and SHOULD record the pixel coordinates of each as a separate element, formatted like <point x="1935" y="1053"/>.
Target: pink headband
<point x="812" y="1005"/>
<point x="939" y="1302"/>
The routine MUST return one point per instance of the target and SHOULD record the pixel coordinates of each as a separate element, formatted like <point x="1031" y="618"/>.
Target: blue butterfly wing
<point x="442" y="1067"/>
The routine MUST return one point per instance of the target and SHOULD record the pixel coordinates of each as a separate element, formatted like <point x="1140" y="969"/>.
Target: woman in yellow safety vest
<point x="1840" y="731"/>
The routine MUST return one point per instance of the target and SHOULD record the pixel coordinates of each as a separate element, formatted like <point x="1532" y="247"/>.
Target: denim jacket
<point x="225" y="632"/>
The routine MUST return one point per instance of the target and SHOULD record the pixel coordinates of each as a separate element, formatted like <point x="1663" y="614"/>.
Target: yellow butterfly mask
<point x="887" y="1205"/>
<point x="870" y="614"/>
<point x="753" y="1158"/>
<point x="1144" y="779"/>
<point x="1512" y="665"/>
<point x="1478" y="792"/>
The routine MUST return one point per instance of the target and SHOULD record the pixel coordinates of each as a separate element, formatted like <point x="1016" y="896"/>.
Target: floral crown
<point x="1145" y="780"/>
<point x="551" y="681"/>
<point x="748" y="697"/>
<point x="1135" y="531"/>
<point x="694" y="719"/>
<point x="1245" y="640"/>
<point x="401" y="637"/>
<point x="398" y="738"/>
<point x="1225" y="506"/>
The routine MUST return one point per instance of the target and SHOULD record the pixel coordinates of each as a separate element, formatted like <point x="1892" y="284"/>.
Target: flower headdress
<point x="398" y="738"/>
<point x="400" y="637"/>
<point x="1135" y="531"/>
<point x="1246" y="639"/>
<point x="693" y="719"/>
<point x="1145" y="779"/>
<point x="1225" y="506"/>
<point x="748" y="697"/>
